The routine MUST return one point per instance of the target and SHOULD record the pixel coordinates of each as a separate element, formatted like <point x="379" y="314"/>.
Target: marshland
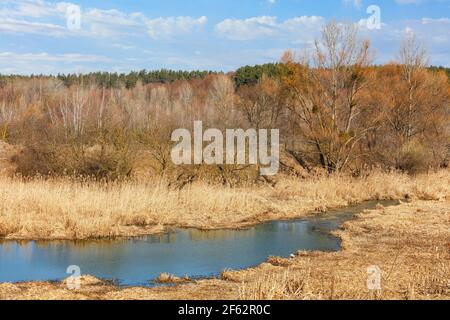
<point x="87" y="157"/>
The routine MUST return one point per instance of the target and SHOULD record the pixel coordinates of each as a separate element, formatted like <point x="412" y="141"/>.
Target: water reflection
<point x="181" y="252"/>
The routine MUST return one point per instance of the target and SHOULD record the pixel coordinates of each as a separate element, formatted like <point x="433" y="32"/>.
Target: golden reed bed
<point x="65" y="209"/>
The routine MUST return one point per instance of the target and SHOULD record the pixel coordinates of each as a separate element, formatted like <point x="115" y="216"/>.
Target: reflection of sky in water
<point x="181" y="252"/>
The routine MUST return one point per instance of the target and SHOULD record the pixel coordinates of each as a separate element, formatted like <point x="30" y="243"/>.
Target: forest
<point x="336" y="111"/>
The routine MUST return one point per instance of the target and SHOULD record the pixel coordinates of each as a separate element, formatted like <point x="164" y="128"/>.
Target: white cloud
<point x="251" y="28"/>
<point x="46" y="57"/>
<point x="46" y="63"/>
<point x="440" y="39"/>
<point x="123" y="46"/>
<point x="34" y="8"/>
<point x="28" y="8"/>
<point x="408" y="1"/>
<point x="26" y="16"/>
<point x="113" y="17"/>
<point x="23" y="26"/>
<point x="436" y="21"/>
<point x="163" y="28"/>
<point x="355" y="3"/>
<point x="34" y="17"/>
<point x="298" y="29"/>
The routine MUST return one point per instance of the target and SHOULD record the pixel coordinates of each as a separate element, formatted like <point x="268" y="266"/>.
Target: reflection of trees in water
<point x="25" y="248"/>
<point x="253" y="232"/>
<point x="170" y="237"/>
<point x="292" y="227"/>
<point x="198" y="235"/>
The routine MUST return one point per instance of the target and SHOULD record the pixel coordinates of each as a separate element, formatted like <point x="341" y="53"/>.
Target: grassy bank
<point x="64" y="209"/>
<point x="409" y="243"/>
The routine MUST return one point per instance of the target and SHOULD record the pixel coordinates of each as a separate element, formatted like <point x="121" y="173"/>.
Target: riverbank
<point x="410" y="244"/>
<point x="63" y="209"/>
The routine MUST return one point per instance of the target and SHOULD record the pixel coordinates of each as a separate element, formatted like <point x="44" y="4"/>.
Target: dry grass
<point x="170" y="278"/>
<point x="409" y="243"/>
<point x="64" y="209"/>
<point x="277" y="286"/>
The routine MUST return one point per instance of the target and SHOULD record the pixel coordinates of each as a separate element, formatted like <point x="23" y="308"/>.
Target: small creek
<point x="191" y="252"/>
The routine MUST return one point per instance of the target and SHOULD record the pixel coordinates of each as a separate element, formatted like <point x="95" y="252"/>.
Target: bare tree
<point x="324" y="98"/>
<point x="260" y="104"/>
<point x="413" y="59"/>
<point x="415" y="106"/>
<point x="6" y="117"/>
<point x="220" y="101"/>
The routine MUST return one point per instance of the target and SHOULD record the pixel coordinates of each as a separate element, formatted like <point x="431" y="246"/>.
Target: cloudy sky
<point x="43" y="36"/>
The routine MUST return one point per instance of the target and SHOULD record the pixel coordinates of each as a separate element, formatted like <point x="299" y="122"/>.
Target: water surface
<point x="180" y="252"/>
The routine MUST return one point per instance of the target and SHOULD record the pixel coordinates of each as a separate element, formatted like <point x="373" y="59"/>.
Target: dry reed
<point x="67" y="209"/>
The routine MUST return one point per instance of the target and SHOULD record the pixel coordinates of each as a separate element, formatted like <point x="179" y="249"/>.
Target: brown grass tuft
<point x="169" y="278"/>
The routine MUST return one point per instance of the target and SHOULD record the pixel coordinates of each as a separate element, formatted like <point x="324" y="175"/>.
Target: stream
<point x="181" y="252"/>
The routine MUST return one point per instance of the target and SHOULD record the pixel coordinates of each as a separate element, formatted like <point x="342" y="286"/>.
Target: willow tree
<point x="414" y="102"/>
<point x="323" y="98"/>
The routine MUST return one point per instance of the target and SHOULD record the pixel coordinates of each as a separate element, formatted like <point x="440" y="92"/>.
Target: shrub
<point x="413" y="158"/>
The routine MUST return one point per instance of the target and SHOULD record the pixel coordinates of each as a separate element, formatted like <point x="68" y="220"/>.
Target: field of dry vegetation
<point x="67" y="209"/>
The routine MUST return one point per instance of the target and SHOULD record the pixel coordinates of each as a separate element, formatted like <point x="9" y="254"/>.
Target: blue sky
<point x="120" y="35"/>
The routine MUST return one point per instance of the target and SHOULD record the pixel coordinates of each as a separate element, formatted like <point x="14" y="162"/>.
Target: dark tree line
<point x="117" y="80"/>
<point x="251" y="75"/>
<point x="244" y="76"/>
<point x="111" y="80"/>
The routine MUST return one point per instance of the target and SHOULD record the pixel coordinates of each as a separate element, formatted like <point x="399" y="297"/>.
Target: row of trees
<point x="244" y="76"/>
<point x="349" y="113"/>
<point x="117" y="80"/>
<point x="336" y="112"/>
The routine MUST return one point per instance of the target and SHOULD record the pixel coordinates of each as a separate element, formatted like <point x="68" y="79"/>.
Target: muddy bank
<point x="410" y="244"/>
